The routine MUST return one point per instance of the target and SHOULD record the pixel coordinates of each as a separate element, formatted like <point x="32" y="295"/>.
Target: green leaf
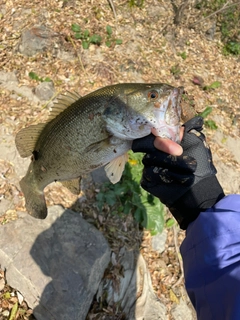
<point x="183" y="55"/>
<point x="86" y="33"/>
<point x="78" y="35"/>
<point x="170" y="222"/>
<point x="75" y="27"/>
<point x="13" y="311"/>
<point x="111" y="198"/>
<point x="155" y="214"/>
<point x="120" y="188"/>
<point x="7" y="295"/>
<point x="215" y="85"/>
<point x="47" y="79"/>
<point x="231" y="48"/>
<point x="206" y="112"/>
<point x="127" y="208"/>
<point x="118" y="41"/>
<point x="108" y="43"/>
<point x="95" y="38"/>
<point x="139" y="215"/>
<point x="85" y="44"/>
<point x="109" y="30"/>
<point x="33" y="76"/>
<point x="210" y="124"/>
<point x="212" y="86"/>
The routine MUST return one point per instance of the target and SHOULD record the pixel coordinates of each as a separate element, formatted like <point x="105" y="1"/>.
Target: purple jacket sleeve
<point x="211" y="259"/>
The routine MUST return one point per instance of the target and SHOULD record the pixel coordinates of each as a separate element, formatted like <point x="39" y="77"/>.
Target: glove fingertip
<point x="145" y="144"/>
<point x="194" y="123"/>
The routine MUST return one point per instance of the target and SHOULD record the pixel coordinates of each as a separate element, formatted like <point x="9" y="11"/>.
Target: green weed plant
<point x="34" y="76"/>
<point x="85" y="37"/>
<point x="227" y="19"/>
<point x="207" y="122"/>
<point x="127" y="197"/>
<point x="110" y="39"/>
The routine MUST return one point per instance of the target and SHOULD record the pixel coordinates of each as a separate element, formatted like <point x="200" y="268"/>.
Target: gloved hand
<point x="186" y="184"/>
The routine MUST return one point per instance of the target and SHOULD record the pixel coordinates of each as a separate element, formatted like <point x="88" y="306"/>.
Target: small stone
<point x="158" y="241"/>
<point x="6" y="313"/>
<point x="45" y="90"/>
<point x="20" y="297"/>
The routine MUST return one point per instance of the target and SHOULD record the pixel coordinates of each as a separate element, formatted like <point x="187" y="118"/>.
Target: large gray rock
<point x="56" y="263"/>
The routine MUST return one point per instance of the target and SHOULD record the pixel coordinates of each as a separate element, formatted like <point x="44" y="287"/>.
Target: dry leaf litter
<point x="152" y="45"/>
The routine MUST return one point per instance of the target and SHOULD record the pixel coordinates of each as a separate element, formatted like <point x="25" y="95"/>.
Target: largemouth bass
<point x="85" y="133"/>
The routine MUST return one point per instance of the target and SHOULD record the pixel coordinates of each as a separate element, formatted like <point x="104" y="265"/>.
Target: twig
<point x="178" y="255"/>
<point x="113" y="9"/>
<point x="79" y="57"/>
<point x="50" y="100"/>
<point x="212" y="14"/>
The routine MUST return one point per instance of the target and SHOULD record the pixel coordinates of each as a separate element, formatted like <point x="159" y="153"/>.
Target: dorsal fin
<point x="26" y="138"/>
<point x="64" y="101"/>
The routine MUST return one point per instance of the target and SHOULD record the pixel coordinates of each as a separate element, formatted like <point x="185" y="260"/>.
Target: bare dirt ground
<point x="153" y="49"/>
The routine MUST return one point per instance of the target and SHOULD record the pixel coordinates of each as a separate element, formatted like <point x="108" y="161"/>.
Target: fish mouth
<point x="168" y="115"/>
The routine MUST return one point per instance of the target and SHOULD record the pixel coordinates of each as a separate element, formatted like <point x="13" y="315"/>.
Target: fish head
<point x="136" y="110"/>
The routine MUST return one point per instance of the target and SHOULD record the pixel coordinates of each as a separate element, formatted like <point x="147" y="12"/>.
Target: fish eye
<point x="152" y="95"/>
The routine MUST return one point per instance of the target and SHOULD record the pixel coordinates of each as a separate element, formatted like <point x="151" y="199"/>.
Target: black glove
<point x="186" y="184"/>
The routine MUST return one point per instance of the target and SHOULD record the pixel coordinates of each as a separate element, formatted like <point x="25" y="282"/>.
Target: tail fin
<point x="34" y="198"/>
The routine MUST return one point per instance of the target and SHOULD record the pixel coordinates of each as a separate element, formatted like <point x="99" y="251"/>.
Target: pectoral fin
<point x="114" y="168"/>
<point x="72" y="185"/>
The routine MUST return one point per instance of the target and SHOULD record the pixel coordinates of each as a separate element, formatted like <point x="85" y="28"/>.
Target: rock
<point x="10" y="154"/>
<point x="45" y="90"/>
<point x="8" y="77"/>
<point x="158" y="241"/>
<point x="135" y="292"/>
<point x="56" y="263"/>
<point x="36" y="39"/>
<point x="9" y="81"/>
<point x="226" y="173"/>
<point x="231" y="184"/>
<point x="210" y="33"/>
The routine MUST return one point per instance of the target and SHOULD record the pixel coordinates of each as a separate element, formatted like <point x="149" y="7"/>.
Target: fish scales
<point x="84" y="133"/>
